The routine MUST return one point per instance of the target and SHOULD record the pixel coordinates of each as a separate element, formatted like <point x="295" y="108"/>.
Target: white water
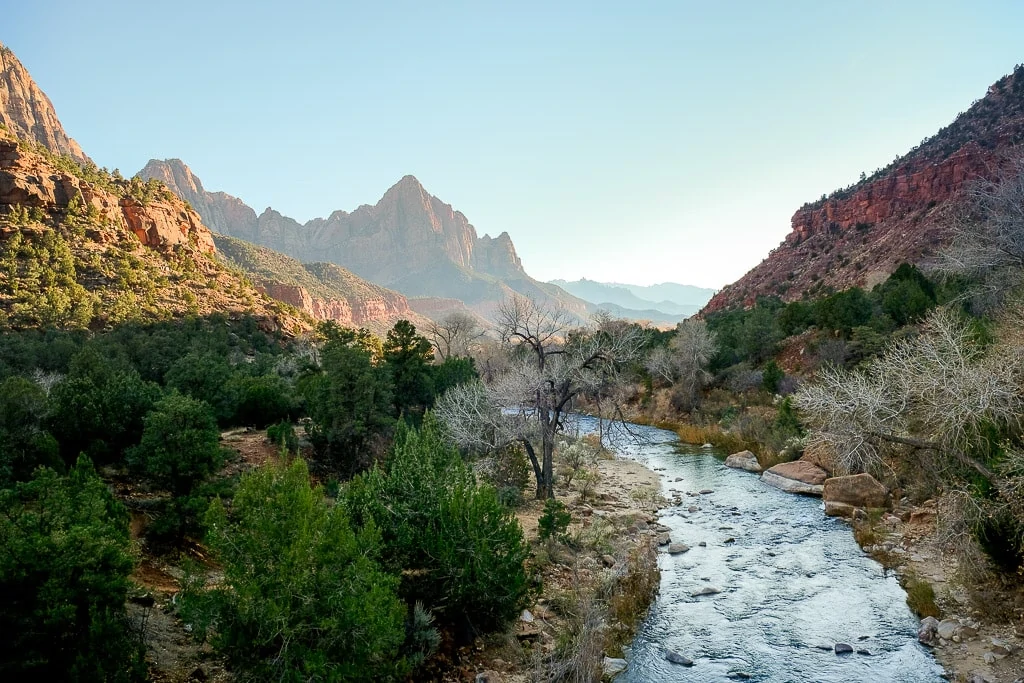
<point x="793" y="582"/>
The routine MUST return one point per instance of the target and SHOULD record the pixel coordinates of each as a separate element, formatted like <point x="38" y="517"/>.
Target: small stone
<point x="608" y="561"/>
<point x="488" y="677"/>
<point x="703" y="544"/>
<point x="866" y="653"/>
<point x="705" y="492"/>
<point x="692" y="508"/>
<point x="678" y="548"/>
<point x="677" y="658"/>
<point x="989" y="658"/>
<point x="526" y="617"/>
<point x="843" y="648"/>
<point x="739" y="675"/>
<point x="706" y="590"/>
<point x="1000" y="647"/>
<point x="729" y="540"/>
<point x="663" y="538"/>
<point x="678" y="479"/>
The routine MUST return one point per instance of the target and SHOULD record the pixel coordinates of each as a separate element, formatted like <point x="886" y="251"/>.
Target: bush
<point x="283" y="435"/>
<point x="302" y="597"/>
<point x="555" y="520"/>
<point x="460" y="550"/>
<point x="258" y="401"/>
<point x="63" y="581"/>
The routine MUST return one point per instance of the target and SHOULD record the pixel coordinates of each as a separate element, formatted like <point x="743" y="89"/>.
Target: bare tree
<point x="933" y="393"/>
<point x="531" y="400"/>
<point x="988" y="237"/>
<point x="685" y="361"/>
<point x="455" y="334"/>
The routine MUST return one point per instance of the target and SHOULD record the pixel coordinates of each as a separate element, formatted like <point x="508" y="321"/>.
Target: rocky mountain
<point x="324" y="291"/>
<point x="409" y="241"/>
<point x="81" y="248"/>
<point x="860" y="234"/>
<point x="27" y="112"/>
<point x="606" y="295"/>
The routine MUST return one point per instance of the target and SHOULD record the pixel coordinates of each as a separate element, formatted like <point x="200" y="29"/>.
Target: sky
<point x="637" y="142"/>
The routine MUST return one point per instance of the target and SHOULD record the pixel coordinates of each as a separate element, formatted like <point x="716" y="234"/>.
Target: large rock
<point x="927" y="633"/>
<point x="796" y="477"/>
<point x="858" y="490"/>
<point x="613" y="666"/>
<point x="744" y="460"/>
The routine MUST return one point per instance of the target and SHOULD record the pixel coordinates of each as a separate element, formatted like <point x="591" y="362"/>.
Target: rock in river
<point x="706" y="590"/>
<point x="677" y="548"/>
<point x="927" y="633"/>
<point x="677" y="658"/>
<point x="796" y="477"/>
<point x="744" y="460"/>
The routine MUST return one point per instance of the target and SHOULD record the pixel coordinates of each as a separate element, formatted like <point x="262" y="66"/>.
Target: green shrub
<point x="63" y="581"/>
<point x="283" y="435"/>
<point x="301" y="597"/>
<point x="555" y="520"/>
<point x="24" y="442"/>
<point x="461" y="550"/>
<point x="258" y="401"/>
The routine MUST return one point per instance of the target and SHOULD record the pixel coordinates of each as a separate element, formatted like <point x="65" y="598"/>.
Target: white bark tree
<point x="935" y="392"/>
<point x="531" y="400"/>
<point x="685" y="361"/>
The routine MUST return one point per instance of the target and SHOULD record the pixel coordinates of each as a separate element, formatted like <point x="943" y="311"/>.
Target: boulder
<point x="927" y="633"/>
<point x="834" y="509"/>
<point x="843" y="648"/>
<point x="706" y="590"/>
<point x="948" y="628"/>
<point x="677" y="548"/>
<point x="744" y="460"/>
<point x="613" y="667"/>
<point x="796" y="477"/>
<point x="858" y="490"/>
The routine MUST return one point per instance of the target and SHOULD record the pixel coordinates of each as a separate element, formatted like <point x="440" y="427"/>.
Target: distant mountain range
<point x="667" y="302"/>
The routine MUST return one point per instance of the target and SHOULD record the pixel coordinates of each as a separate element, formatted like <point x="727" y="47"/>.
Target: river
<point x="793" y="583"/>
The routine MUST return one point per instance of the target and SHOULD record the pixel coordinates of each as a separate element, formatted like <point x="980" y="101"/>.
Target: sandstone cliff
<point x="322" y="290"/>
<point x="82" y="248"/>
<point x="27" y="112"/>
<point x="860" y="234"/>
<point x="409" y="241"/>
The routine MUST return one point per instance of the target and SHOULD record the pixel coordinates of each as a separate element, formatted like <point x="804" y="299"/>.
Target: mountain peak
<point x="28" y="113"/>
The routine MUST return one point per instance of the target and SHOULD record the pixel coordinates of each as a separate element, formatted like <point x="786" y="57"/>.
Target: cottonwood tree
<point x="988" y="239"/>
<point x="685" y="361"/>
<point x="938" y="393"/>
<point x="530" y="401"/>
<point x="455" y="334"/>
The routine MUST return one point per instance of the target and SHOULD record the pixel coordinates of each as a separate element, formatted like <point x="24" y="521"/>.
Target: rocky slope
<point x="27" y="112"/>
<point x="410" y="241"/>
<point x="322" y="290"/>
<point x="82" y="248"/>
<point x="860" y="234"/>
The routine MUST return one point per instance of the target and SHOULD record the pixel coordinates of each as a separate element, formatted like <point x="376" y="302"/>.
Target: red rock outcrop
<point x="28" y="180"/>
<point x="861" y="234"/>
<point x="27" y="112"/>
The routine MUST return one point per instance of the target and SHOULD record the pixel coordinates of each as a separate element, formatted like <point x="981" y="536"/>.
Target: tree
<point x="24" y="442"/>
<point x="988" y="240"/>
<point x="64" y="580"/>
<point x="349" y="405"/>
<point x="530" y="401"/>
<point x="180" y="444"/>
<point x="408" y="358"/>
<point x="98" y="408"/>
<point x="302" y="597"/>
<point x="936" y="391"/>
<point x="458" y="548"/>
<point x="455" y="335"/>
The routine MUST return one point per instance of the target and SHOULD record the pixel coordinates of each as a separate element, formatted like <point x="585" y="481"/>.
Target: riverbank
<point x="594" y="584"/>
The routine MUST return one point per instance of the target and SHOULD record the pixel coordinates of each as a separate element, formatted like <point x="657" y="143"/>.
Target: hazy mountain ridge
<point x="409" y="241"/>
<point x="679" y="302"/>
<point x="859" y="235"/>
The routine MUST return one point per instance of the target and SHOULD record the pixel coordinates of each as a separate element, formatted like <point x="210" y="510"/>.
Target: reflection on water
<point x="793" y="583"/>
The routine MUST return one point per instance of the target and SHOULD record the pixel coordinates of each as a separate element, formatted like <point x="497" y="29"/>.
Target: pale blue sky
<point x="633" y="141"/>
